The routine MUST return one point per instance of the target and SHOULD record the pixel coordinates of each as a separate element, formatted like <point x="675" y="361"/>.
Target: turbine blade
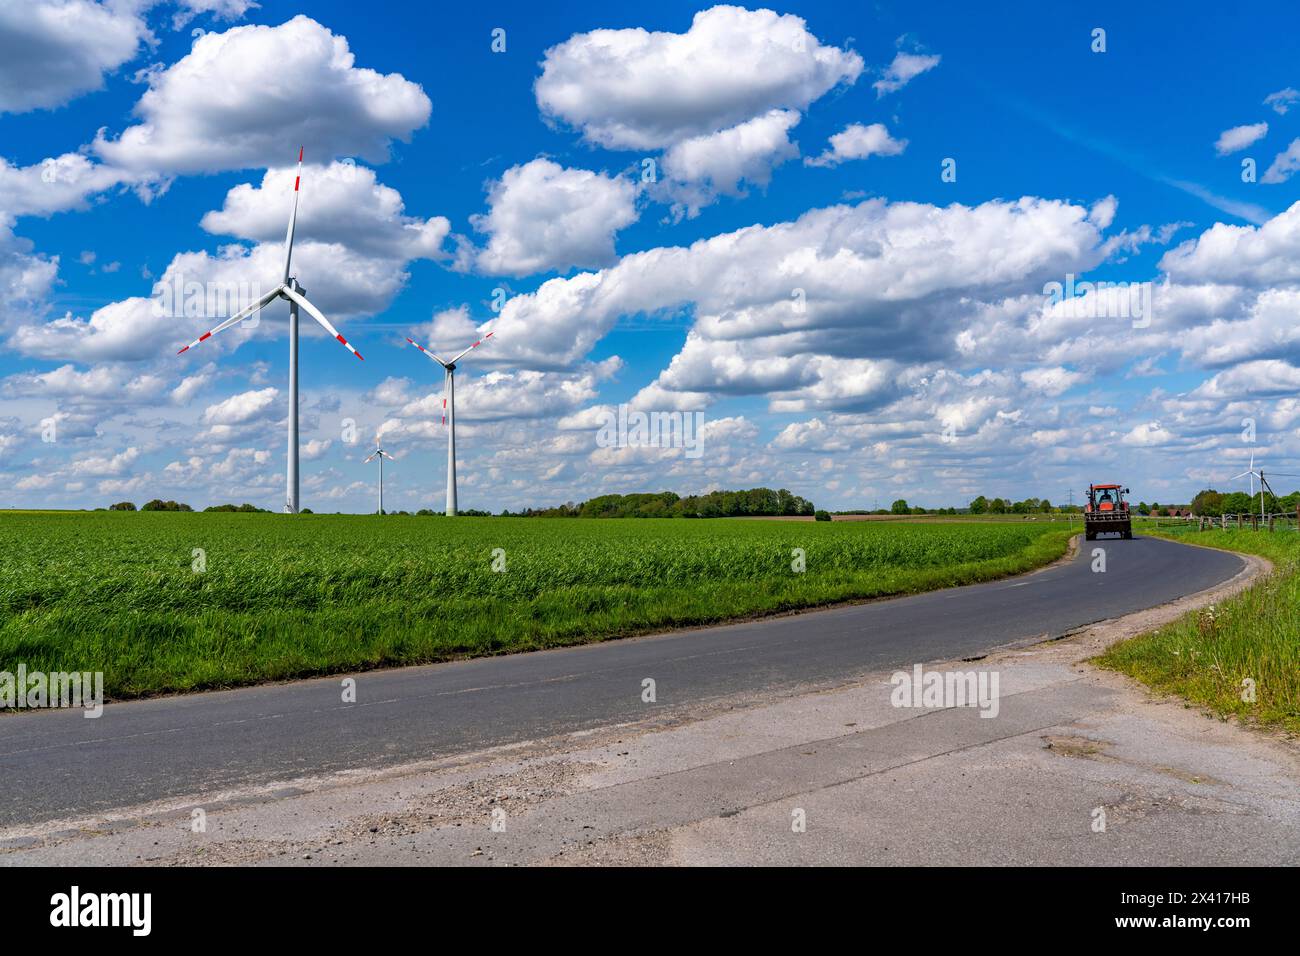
<point x="368" y="460"/>
<point x="315" y="314"/>
<point x="237" y="317"/>
<point x="427" y="352"/>
<point x="471" y="348"/>
<point x="293" y="220"/>
<point x="1242" y="475"/>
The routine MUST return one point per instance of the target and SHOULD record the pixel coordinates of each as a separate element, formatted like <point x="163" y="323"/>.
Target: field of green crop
<point x="166" y="601"/>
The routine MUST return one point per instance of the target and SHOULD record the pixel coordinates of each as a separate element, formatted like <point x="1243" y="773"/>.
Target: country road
<point x="58" y="765"/>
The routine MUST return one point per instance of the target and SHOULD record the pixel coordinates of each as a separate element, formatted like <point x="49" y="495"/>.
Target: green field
<point x="1204" y="656"/>
<point x="286" y="597"/>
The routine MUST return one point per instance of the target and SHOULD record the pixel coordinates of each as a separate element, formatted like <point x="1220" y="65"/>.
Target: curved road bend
<point x="57" y="764"/>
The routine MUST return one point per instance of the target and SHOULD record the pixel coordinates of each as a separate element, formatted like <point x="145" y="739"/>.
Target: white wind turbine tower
<point x="449" y="415"/>
<point x="1253" y="475"/>
<point x="381" y="455"/>
<point x="295" y="295"/>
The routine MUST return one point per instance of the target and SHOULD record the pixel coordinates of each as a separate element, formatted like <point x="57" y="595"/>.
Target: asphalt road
<point x="57" y="764"/>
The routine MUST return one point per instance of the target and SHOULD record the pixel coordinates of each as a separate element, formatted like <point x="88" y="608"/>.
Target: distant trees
<point x="667" y="504"/>
<point x="157" y="504"/>
<point x="1208" y="502"/>
<point x="900" y="507"/>
<point x="1002" y="506"/>
<point x="122" y="506"/>
<point x="245" y="507"/>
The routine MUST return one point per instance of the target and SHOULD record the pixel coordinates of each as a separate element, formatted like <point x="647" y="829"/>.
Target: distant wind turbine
<point x="295" y="295"/>
<point x="449" y="415"/>
<point x="381" y="455"/>
<point x="1262" y="484"/>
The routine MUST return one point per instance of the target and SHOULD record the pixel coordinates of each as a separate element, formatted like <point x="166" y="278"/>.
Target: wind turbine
<point x="449" y="414"/>
<point x="1262" y="483"/>
<point x="381" y="455"/>
<point x="296" y="296"/>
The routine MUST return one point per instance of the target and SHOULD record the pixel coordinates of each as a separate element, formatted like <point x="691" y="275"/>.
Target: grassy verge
<point x="281" y="599"/>
<point x="1208" y="655"/>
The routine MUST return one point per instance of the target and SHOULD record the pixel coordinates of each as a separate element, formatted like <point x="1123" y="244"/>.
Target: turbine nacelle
<point x="294" y="294"/>
<point x="449" y="412"/>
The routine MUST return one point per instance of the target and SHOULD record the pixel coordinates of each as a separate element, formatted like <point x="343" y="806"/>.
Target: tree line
<point x="753" y="502"/>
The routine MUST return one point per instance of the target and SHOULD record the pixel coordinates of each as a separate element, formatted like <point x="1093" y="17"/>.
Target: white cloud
<point x="56" y="184"/>
<point x="100" y="465"/>
<point x="52" y="51"/>
<point x="1239" y="137"/>
<point x="856" y="141"/>
<point x="1052" y="381"/>
<point x="1282" y="100"/>
<point x="637" y="90"/>
<point x="1284" y="164"/>
<point x="341" y="203"/>
<point x="101" y="382"/>
<point x="247" y="97"/>
<point x="242" y="408"/>
<point x="1257" y="256"/>
<point x="718" y="163"/>
<point x="314" y="449"/>
<point x="875" y="279"/>
<point x="543" y="216"/>
<point x="904" y="68"/>
<point x="354" y="243"/>
<point x="449" y="331"/>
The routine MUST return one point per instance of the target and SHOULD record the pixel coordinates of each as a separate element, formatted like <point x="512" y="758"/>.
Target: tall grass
<point x="284" y="597"/>
<point x="1206" y="655"/>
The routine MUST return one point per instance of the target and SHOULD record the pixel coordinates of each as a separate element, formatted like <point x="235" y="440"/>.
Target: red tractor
<point x="1106" y="511"/>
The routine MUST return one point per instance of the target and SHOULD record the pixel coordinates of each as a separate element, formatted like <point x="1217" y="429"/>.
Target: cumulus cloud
<point x="249" y="96"/>
<point x="354" y="243"/>
<point x="904" y="68"/>
<point x="242" y="408"/>
<point x="856" y="141"/>
<point x="1239" y="137"/>
<point x="52" y="51"/>
<point x="718" y="163"/>
<point x="1241" y="255"/>
<point x="56" y="184"/>
<point x="104" y="383"/>
<point x="639" y="90"/>
<point x="872" y="274"/>
<point x="542" y="216"/>
<point x="341" y="203"/>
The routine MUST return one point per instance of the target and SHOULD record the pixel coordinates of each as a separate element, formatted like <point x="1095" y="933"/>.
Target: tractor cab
<point x="1106" y="512"/>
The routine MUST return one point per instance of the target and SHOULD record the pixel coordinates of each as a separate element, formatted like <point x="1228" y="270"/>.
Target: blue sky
<point x="925" y="363"/>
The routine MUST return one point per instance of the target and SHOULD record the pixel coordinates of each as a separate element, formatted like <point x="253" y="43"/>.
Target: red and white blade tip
<point x="202" y="338"/>
<point x="347" y="345"/>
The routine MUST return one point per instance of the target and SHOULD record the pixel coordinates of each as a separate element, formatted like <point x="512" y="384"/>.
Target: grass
<point x="1206" y="655"/>
<point x="288" y="597"/>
